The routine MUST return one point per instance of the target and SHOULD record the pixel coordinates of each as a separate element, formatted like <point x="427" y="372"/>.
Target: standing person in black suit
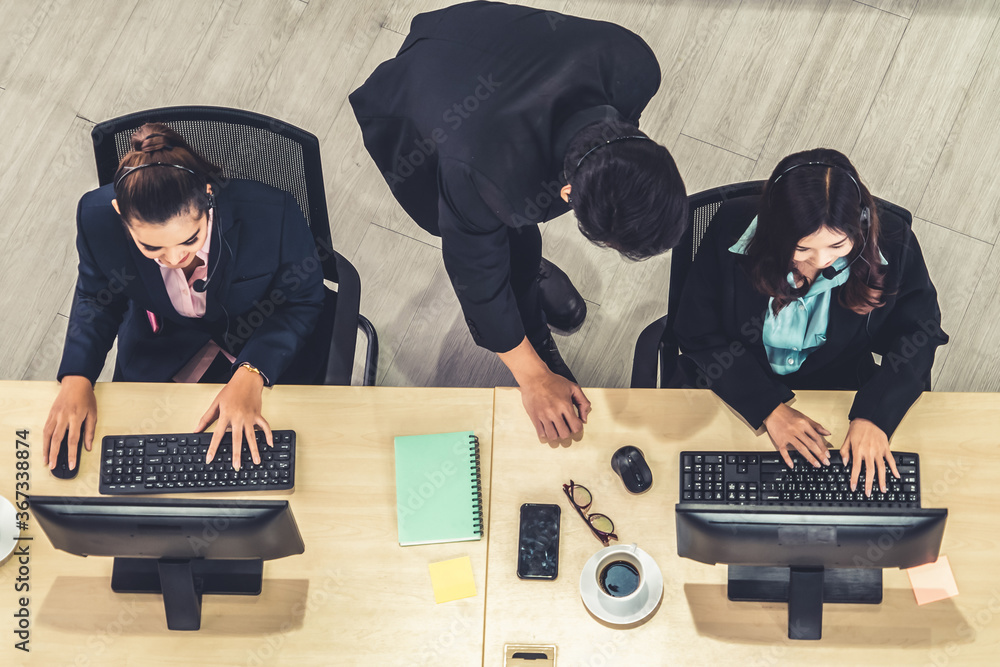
<point x="201" y="280"/>
<point x="494" y="118"/>
<point x="795" y="290"/>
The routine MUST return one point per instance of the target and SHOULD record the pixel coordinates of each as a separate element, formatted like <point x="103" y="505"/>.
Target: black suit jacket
<point x="469" y="124"/>
<point x="264" y="296"/>
<point x="721" y="317"/>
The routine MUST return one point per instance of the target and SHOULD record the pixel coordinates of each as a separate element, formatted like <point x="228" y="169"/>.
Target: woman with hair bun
<point x="201" y="279"/>
<point x="796" y="289"/>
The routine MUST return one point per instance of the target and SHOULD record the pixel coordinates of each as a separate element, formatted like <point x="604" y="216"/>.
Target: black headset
<point x="598" y="147"/>
<point x="866" y="216"/>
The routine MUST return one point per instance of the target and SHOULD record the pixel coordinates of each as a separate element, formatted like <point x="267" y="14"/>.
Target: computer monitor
<point x="806" y="556"/>
<point x="181" y="549"/>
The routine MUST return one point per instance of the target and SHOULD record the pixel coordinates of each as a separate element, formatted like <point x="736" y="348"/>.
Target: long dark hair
<point x="154" y="195"/>
<point x="627" y="194"/>
<point x="797" y="201"/>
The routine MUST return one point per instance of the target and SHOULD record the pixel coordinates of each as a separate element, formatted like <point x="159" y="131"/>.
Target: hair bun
<point x="151" y="143"/>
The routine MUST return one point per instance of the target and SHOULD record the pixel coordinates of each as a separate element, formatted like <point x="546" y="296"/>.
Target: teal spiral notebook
<point x="438" y="488"/>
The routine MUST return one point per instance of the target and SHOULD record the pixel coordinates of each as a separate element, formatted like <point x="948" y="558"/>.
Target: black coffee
<point x="619" y="578"/>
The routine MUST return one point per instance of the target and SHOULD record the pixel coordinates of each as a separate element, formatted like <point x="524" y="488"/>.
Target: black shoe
<point x="563" y="305"/>
<point x="549" y="353"/>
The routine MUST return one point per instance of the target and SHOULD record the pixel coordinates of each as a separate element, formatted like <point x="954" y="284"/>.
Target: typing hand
<point x="788" y="427"/>
<point x="557" y="407"/>
<point x="237" y="407"/>
<point x="75" y="405"/>
<point x="867" y="443"/>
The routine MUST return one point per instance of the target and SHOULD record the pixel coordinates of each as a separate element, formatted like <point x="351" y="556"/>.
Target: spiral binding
<point x="477" y="488"/>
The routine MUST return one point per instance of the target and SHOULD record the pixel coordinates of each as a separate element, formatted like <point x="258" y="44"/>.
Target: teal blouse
<point x="800" y="328"/>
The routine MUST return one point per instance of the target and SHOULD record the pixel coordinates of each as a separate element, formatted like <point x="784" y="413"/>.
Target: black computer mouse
<point x="62" y="469"/>
<point x="631" y="466"/>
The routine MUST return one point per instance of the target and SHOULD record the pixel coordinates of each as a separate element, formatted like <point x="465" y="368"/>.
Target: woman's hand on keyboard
<point x="788" y="427"/>
<point x="867" y="443"/>
<point x="237" y="406"/>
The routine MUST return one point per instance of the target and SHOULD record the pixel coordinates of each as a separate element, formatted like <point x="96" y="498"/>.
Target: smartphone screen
<point x="538" y="542"/>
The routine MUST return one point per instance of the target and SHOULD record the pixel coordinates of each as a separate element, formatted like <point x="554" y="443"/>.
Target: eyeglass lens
<point x="581" y="496"/>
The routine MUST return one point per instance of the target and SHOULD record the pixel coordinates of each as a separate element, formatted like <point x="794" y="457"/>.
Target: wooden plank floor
<point x="909" y="89"/>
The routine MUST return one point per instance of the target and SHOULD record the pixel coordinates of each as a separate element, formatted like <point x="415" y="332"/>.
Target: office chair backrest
<point x="702" y="208"/>
<point x="245" y="145"/>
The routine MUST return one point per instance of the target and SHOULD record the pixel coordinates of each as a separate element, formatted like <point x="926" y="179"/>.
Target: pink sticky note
<point x="933" y="581"/>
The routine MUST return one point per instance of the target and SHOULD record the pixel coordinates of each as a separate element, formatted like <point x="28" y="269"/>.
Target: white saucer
<point x="9" y="531"/>
<point x="627" y="610"/>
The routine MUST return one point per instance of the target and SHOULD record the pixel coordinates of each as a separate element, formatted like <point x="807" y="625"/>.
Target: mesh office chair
<point x="656" y="347"/>
<point x="250" y="146"/>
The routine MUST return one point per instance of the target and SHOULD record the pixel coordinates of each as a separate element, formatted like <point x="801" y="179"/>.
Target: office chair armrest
<point x="341" y="366"/>
<point x="645" y="361"/>
<point x="371" y="354"/>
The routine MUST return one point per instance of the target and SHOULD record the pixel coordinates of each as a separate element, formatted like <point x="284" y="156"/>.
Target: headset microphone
<point x="829" y="273"/>
<point x="201" y="284"/>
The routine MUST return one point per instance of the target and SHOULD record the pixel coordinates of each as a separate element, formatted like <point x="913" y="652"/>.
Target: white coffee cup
<point x="621" y="584"/>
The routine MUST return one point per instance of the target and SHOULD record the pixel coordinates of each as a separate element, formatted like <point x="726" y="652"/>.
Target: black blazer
<point x="469" y="124"/>
<point x="721" y="317"/>
<point x="263" y="299"/>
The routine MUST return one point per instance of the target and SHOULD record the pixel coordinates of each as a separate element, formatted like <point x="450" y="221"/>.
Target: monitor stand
<point x="182" y="582"/>
<point x="805" y="589"/>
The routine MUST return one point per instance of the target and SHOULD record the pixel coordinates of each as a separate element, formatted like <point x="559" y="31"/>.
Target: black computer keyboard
<point x="175" y="463"/>
<point x="763" y="478"/>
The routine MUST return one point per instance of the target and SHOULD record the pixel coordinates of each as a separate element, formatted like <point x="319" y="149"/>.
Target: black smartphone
<point x="538" y="542"/>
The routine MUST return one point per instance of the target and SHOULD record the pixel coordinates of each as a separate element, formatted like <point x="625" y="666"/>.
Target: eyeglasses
<point x="601" y="525"/>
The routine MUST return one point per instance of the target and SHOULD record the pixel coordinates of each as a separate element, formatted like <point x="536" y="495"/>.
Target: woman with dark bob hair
<point x="796" y="289"/>
<point x="201" y="279"/>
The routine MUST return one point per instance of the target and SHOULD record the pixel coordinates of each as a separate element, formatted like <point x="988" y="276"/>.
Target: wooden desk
<point x="353" y="598"/>
<point x="955" y="435"/>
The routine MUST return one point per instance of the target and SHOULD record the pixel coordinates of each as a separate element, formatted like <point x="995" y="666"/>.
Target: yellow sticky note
<point x="933" y="581"/>
<point x="452" y="579"/>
